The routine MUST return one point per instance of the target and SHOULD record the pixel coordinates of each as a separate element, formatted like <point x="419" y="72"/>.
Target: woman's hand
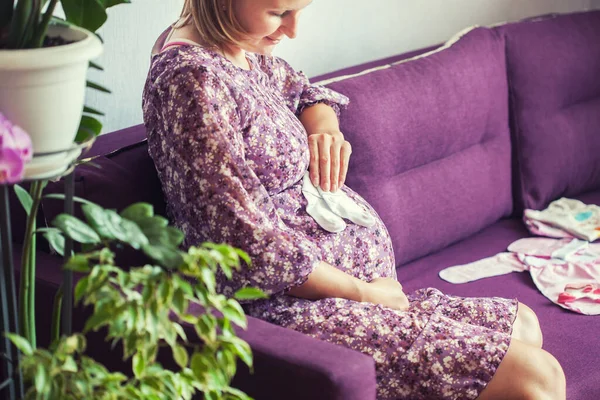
<point x="387" y="292"/>
<point x="329" y="156"/>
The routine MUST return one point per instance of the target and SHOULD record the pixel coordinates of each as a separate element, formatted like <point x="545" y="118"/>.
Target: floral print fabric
<point x="231" y="153"/>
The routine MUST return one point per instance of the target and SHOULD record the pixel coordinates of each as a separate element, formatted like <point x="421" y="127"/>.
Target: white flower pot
<point x="42" y="91"/>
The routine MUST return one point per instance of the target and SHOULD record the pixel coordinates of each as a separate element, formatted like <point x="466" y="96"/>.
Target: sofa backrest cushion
<point x="431" y="142"/>
<point x="554" y="81"/>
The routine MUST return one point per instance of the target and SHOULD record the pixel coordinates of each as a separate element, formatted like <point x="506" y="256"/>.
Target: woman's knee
<point x="527" y="372"/>
<point x="551" y="381"/>
<point x="527" y="327"/>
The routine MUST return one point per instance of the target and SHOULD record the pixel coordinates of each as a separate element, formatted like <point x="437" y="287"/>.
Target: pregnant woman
<point x="232" y="131"/>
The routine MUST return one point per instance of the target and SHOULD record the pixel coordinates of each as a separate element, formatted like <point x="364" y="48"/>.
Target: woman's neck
<point x="233" y="53"/>
<point x="237" y="56"/>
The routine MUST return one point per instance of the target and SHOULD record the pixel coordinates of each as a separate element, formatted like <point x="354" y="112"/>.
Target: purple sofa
<point x="449" y="147"/>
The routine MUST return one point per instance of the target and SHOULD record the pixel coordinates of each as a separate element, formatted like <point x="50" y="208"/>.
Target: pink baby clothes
<point x="580" y="292"/>
<point x="572" y="216"/>
<point x="540" y="228"/>
<point x="579" y="265"/>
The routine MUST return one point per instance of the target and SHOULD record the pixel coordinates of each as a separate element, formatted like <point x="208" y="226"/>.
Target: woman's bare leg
<point x="526" y="373"/>
<point x="527" y="327"/>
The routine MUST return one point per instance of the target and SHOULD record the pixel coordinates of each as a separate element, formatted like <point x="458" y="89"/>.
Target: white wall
<point x="332" y="34"/>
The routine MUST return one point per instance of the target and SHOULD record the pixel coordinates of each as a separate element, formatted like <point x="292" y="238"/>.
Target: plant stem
<point x="19" y="23"/>
<point x="27" y="287"/>
<point x="6" y="12"/>
<point x="32" y="25"/>
<point x="55" y="329"/>
<point x="42" y="28"/>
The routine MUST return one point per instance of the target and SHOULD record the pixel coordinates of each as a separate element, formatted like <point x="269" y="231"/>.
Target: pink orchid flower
<point x="15" y="151"/>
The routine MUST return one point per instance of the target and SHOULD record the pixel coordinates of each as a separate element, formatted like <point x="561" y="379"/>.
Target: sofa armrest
<point x="290" y="365"/>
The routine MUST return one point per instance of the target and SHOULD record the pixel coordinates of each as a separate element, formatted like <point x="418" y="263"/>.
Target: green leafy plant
<point x="143" y="308"/>
<point x="24" y="25"/>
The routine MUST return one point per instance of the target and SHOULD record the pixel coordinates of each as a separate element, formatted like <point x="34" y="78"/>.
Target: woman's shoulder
<point x="183" y="60"/>
<point x="276" y="68"/>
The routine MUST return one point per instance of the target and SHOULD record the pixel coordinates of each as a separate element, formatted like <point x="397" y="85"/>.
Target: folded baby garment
<point x="565" y="217"/>
<point x="328" y="208"/>
<point x="566" y="271"/>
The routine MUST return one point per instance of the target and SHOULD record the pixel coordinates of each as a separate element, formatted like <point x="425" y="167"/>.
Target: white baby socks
<point x="345" y="207"/>
<point x="317" y="208"/>
<point x="328" y="208"/>
<point x="500" y="264"/>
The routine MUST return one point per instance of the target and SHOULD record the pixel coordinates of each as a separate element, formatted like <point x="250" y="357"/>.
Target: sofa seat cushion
<point x="572" y="338"/>
<point x="431" y="142"/>
<point x="553" y="72"/>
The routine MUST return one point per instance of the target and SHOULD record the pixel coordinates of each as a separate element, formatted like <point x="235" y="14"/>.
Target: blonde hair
<point x="214" y="21"/>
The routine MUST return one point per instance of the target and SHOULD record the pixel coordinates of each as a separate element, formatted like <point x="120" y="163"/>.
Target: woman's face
<point x="267" y="21"/>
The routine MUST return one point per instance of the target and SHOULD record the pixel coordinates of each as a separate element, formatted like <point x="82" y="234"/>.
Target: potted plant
<point x="143" y="308"/>
<point x="43" y="66"/>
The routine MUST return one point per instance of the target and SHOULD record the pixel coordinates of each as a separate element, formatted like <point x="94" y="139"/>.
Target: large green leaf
<point x="88" y="14"/>
<point x="153" y="222"/>
<point x="95" y="66"/>
<point x="61" y="196"/>
<point x="76" y="229"/>
<point x="21" y="343"/>
<point x="90" y="110"/>
<point x="56" y="240"/>
<point x="97" y="320"/>
<point x="237" y="394"/>
<point x="88" y="126"/>
<point x="98" y="220"/>
<point x="138" y="364"/>
<point x="81" y="288"/>
<point x="234" y="312"/>
<point x="41" y="378"/>
<point x="241" y="348"/>
<point x="249" y="293"/>
<point x="93" y="85"/>
<point x="138" y="211"/>
<point x="200" y="366"/>
<point x="24" y="197"/>
<point x="180" y="355"/>
<point x="135" y="236"/>
<point x="78" y="263"/>
<point x="165" y="256"/>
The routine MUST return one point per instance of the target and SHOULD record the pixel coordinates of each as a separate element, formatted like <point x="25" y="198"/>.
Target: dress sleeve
<point x="295" y="87"/>
<point x="212" y="193"/>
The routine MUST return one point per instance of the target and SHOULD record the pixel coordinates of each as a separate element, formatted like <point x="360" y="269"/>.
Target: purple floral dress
<point x="230" y="153"/>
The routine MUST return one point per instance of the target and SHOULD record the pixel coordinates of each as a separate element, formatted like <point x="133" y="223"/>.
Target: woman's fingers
<point x="329" y="157"/>
<point x="335" y="150"/>
<point x="325" y="161"/>
<point x="313" y="167"/>
<point x="345" y="152"/>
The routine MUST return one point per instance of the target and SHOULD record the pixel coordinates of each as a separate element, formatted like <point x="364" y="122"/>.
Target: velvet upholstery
<point x="431" y="143"/>
<point x="553" y="72"/>
<point x="572" y="338"/>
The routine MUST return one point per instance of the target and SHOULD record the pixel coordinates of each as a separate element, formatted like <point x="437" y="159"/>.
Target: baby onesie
<point x="565" y="218"/>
